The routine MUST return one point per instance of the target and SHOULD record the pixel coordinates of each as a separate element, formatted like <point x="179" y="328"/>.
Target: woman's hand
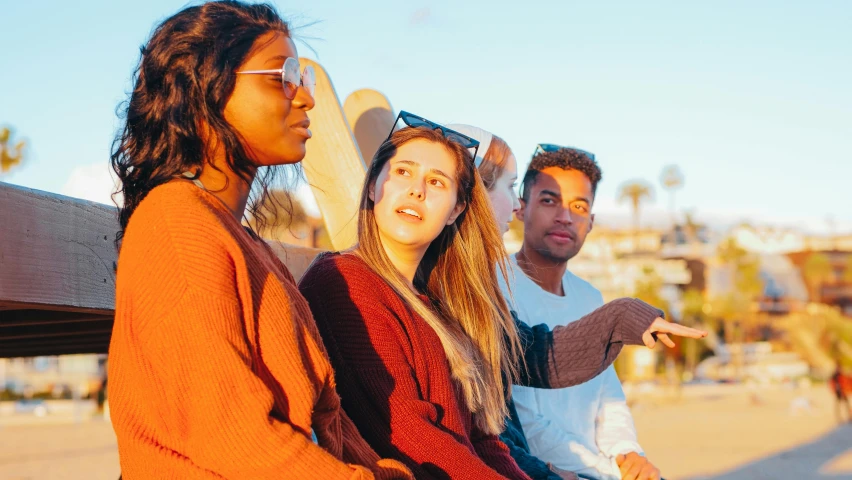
<point x="661" y="329"/>
<point x="563" y="474"/>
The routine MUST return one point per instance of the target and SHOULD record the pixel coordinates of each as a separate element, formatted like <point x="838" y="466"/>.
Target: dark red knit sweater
<point x="394" y="379"/>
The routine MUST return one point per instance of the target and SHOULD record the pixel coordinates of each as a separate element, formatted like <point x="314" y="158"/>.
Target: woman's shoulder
<point x="344" y="278"/>
<point x="175" y="230"/>
<point x="336" y="267"/>
<point x="176" y="205"/>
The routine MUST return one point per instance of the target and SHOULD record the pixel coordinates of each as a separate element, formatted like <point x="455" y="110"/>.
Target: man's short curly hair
<point x="566" y="159"/>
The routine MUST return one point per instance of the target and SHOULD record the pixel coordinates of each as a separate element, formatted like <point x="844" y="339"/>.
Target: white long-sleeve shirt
<point x="580" y="428"/>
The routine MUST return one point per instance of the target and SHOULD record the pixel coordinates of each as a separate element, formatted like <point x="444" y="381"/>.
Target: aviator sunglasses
<point x="291" y="80"/>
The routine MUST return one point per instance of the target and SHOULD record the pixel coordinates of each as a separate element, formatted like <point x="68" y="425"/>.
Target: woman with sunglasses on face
<point x="216" y="366"/>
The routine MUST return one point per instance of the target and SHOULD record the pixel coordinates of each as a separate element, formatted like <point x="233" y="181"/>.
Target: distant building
<point x="786" y="250"/>
<point x="780" y="240"/>
<point x="614" y="261"/>
<point x="46" y="374"/>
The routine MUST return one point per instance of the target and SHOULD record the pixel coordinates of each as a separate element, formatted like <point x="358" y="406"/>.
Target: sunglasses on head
<point x="291" y="80"/>
<point x="551" y="147"/>
<point x="413" y="120"/>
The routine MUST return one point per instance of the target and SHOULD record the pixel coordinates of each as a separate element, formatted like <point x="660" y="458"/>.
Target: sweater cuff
<point x="387" y="469"/>
<point x="558" y="474"/>
<point x="638" y="317"/>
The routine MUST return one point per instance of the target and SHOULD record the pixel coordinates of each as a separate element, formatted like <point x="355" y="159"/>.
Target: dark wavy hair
<point x="183" y="81"/>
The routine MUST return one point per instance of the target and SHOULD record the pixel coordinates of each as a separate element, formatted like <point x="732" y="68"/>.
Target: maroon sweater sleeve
<point x="575" y="353"/>
<point x="379" y="392"/>
<point x="496" y="454"/>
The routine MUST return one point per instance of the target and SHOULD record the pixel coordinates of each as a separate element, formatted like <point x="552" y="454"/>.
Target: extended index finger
<point x="680" y="330"/>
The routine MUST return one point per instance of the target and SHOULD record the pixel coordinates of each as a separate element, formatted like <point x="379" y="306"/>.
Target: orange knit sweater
<point x="216" y="368"/>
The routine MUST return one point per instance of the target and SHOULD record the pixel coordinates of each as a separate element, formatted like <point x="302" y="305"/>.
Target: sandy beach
<point x="739" y="433"/>
<point x="707" y="433"/>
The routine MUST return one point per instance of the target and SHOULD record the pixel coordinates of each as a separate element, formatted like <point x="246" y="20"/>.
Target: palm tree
<point x="746" y="269"/>
<point x="636" y="192"/>
<point x="817" y="269"/>
<point x="694" y="230"/>
<point x="649" y="289"/>
<point x="692" y="311"/>
<point x="672" y="179"/>
<point x="747" y="286"/>
<point x="9" y="155"/>
<point x="693" y="306"/>
<point x="730" y="252"/>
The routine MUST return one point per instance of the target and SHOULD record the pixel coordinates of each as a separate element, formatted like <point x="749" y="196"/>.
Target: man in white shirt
<point x="588" y="428"/>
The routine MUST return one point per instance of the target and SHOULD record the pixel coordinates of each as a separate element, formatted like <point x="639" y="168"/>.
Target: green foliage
<point x="817" y="268"/>
<point x="822" y="336"/>
<point x="11" y="153"/>
<point x="648" y="290"/>
<point x="746" y="287"/>
<point x="747" y="284"/>
<point x="693" y="305"/>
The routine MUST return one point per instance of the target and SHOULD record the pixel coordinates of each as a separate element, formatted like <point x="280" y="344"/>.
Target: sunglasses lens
<point x="289" y="89"/>
<point x="413" y="121"/>
<point x="309" y="80"/>
<point x="463" y="141"/>
<point x="291" y="70"/>
<point x="550" y="147"/>
<point x="290" y="77"/>
<point x="453" y="136"/>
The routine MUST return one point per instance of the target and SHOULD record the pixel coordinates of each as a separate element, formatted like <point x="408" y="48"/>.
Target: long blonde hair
<point x="458" y="274"/>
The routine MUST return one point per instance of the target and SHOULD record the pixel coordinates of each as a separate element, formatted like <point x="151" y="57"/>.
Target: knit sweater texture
<point x="570" y="355"/>
<point x="216" y="367"/>
<point x="394" y="378"/>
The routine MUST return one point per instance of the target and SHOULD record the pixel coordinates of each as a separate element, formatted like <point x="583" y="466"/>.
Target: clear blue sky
<point x="754" y="102"/>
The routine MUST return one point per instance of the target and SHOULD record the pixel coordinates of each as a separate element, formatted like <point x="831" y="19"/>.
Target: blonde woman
<point x="413" y="318"/>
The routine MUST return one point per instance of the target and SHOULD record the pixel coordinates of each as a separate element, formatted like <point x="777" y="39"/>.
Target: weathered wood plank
<point x="333" y="164"/>
<point x="16" y="318"/>
<point x="56" y="251"/>
<point x="57" y="283"/>
<point x="371" y="118"/>
<point x="37" y="333"/>
<point x="6" y="305"/>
